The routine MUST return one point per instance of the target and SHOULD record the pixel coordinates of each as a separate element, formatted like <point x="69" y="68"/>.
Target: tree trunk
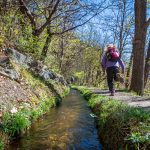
<point x="122" y="27"/>
<point x="47" y="43"/>
<point x="128" y="72"/>
<point x="137" y="80"/>
<point x="147" y="65"/>
<point x="61" y="54"/>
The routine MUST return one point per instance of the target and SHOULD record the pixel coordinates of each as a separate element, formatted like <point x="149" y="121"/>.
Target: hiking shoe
<point x="112" y="93"/>
<point x="119" y="78"/>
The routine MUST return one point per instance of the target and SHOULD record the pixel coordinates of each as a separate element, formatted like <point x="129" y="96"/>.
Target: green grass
<point x="41" y="102"/>
<point x="14" y="124"/>
<point x="120" y="126"/>
<point x="1" y="144"/>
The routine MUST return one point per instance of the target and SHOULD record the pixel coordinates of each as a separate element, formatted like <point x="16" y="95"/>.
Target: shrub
<point x="13" y="124"/>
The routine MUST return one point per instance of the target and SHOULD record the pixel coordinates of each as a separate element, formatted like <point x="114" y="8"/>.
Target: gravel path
<point x="125" y="97"/>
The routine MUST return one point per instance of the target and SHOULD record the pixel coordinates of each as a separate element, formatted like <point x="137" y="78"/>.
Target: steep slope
<point x="27" y="90"/>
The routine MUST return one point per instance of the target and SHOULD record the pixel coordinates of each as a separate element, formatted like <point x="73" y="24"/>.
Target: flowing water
<point x="70" y="126"/>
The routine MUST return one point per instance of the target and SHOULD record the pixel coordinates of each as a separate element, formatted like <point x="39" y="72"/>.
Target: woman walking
<point x="111" y="62"/>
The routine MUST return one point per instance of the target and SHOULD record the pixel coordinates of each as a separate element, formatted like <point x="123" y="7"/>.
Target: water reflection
<point x="68" y="127"/>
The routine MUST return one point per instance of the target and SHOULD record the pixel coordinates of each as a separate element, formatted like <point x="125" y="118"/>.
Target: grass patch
<point x="39" y="103"/>
<point x="1" y="144"/>
<point x="15" y="124"/>
<point x="121" y="127"/>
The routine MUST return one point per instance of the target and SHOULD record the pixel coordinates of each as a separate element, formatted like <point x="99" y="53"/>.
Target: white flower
<point x="14" y="110"/>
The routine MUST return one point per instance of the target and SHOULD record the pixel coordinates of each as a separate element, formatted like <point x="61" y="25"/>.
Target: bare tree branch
<point x="25" y="11"/>
<point x="72" y="28"/>
<point x="37" y="32"/>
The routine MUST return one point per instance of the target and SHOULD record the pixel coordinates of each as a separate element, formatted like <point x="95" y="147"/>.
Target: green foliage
<point x="84" y="91"/>
<point x="15" y="123"/>
<point x="66" y="92"/>
<point x="120" y="125"/>
<point x="43" y="107"/>
<point x="17" y="31"/>
<point x="36" y="83"/>
<point x="1" y="144"/>
<point x="40" y="102"/>
<point x="138" y="137"/>
<point x="67" y="54"/>
<point x="79" y="75"/>
<point x="1" y="40"/>
<point x="30" y="44"/>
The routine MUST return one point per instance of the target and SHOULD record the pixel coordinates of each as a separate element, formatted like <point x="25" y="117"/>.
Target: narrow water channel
<point x="67" y="127"/>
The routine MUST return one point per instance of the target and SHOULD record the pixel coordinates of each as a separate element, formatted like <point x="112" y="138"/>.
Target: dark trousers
<point x="111" y="77"/>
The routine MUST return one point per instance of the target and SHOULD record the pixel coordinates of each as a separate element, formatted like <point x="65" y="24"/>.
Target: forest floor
<point x="129" y="98"/>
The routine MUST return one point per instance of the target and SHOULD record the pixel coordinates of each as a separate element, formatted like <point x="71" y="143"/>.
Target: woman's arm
<point x="103" y="63"/>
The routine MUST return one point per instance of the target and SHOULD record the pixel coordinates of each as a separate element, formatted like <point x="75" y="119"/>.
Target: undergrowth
<point x="43" y="98"/>
<point x="14" y="124"/>
<point x="121" y="127"/>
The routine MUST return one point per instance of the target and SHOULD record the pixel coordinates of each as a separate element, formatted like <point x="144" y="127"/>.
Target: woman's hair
<point x="110" y="46"/>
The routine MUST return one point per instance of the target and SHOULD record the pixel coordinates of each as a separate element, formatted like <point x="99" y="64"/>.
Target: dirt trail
<point x="125" y="97"/>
